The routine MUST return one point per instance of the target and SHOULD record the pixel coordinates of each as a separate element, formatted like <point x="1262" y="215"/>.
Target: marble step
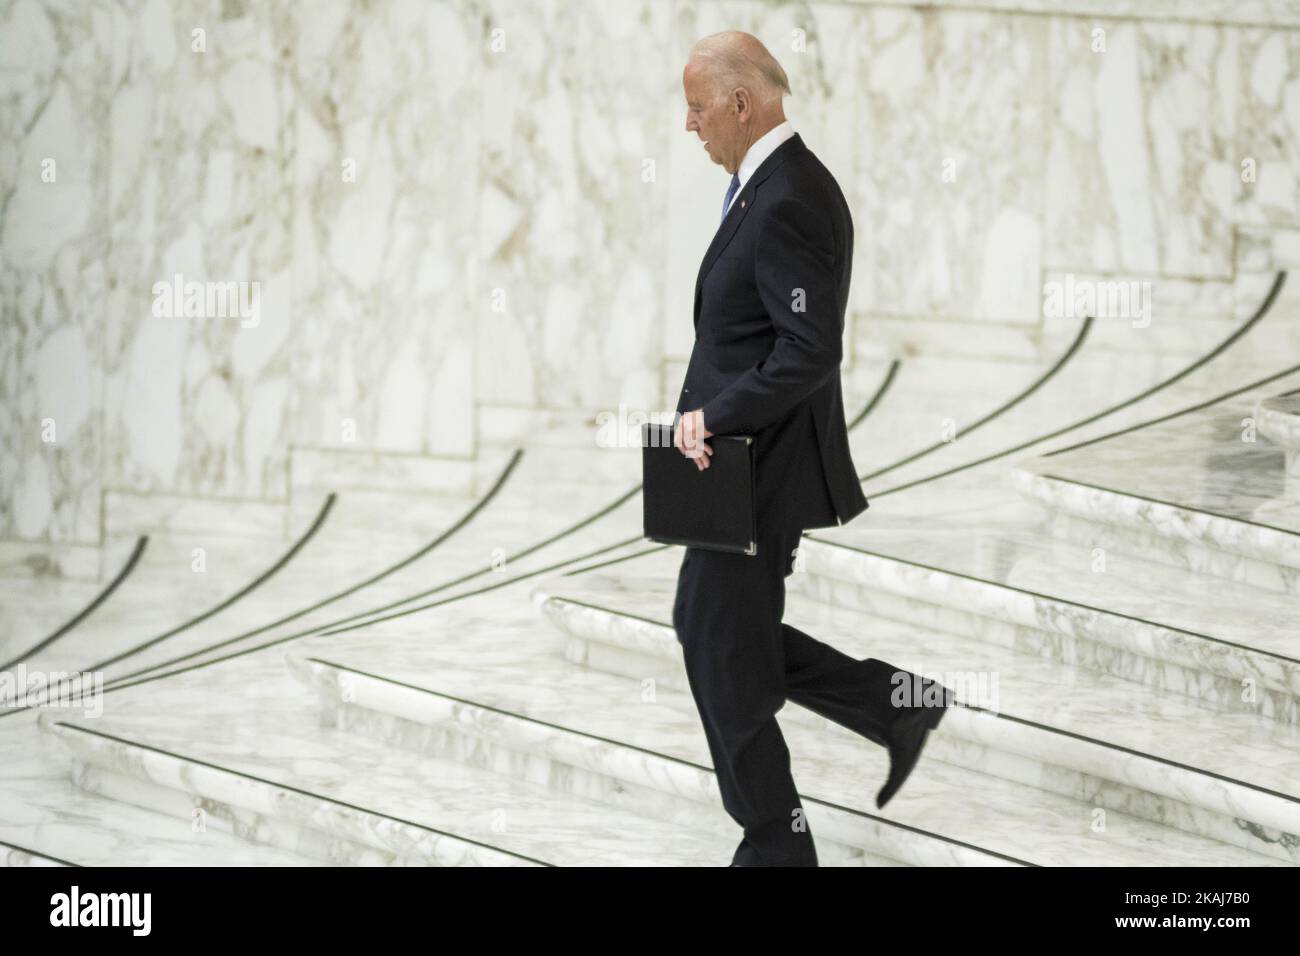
<point x="505" y="697"/>
<point x="342" y="468"/>
<point x="34" y="561"/>
<point x="82" y="829"/>
<point x="1279" y="421"/>
<point x="1205" y="491"/>
<point x="1187" y="337"/>
<point x="50" y="819"/>
<point x="276" y="777"/>
<point x="1083" y="734"/>
<point x="18" y="856"/>
<point x="626" y="779"/>
<point x="1009" y="582"/>
<point x="121" y="771"/>
<point x="1160" y="530"/>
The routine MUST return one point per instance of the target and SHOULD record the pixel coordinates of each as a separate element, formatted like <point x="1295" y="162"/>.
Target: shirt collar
<point x="762" y="148"/>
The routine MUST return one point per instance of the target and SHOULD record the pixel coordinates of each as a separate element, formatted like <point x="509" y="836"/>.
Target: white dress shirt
<point x="759" y="151"/>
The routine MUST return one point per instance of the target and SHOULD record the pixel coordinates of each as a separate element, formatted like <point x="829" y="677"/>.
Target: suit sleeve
<point x="795" y="272"/>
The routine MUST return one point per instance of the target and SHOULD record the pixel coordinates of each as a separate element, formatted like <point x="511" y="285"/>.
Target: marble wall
<point x="55" y="271"/>
<point x="453" y="205"/>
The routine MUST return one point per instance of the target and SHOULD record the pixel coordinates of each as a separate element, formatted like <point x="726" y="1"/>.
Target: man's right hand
<point x="689" y="435"/>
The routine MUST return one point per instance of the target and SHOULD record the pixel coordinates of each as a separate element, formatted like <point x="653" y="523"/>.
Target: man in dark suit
<point x="770" y="300"/>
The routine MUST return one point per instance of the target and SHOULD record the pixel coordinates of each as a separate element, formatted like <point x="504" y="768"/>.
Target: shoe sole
<point x="930" y="722"/>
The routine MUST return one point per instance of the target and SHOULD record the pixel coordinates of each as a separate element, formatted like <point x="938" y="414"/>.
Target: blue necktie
<point x="731" y="191"/>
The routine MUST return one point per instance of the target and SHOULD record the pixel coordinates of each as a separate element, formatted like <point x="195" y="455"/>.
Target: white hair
<point x="736" y="58"/>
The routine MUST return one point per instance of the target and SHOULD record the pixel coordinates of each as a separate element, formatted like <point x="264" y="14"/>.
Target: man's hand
<point x="689" y="437"/>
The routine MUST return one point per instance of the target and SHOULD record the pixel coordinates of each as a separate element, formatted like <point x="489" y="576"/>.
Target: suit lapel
<point x="739" y="207"/>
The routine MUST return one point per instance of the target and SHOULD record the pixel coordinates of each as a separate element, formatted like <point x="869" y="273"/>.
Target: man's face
<point x="717" y="123"/>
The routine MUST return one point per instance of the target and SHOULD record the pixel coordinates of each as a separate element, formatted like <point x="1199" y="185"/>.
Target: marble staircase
<point x="1084" y="737"/>
<point x="1151" y="656"/>
<point x="456" y="750"/>
<point x="329" y="763"/>
<point x="1203" y="492"/>
<point x="1126" y="656"/>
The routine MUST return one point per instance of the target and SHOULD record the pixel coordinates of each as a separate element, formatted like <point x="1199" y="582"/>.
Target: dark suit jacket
<point x="769" y="325"/>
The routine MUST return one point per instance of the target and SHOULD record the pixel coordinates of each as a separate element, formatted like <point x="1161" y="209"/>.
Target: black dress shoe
<point x="906" y="738"/>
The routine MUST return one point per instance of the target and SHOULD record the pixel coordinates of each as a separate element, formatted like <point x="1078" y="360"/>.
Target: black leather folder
<point x="709" y="508"/>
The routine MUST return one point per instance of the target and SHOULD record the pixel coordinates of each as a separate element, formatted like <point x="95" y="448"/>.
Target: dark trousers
<point x="742" y="665"/>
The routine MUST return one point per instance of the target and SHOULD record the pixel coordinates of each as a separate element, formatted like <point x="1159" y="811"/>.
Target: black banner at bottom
<point x="336" y="905"/>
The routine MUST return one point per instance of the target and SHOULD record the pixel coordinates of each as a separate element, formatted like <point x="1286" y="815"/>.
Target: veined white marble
<point x="1279" y="421"/>
<point x="1267" y="127"/>
<point x="495" y="658"/>
<point x="135" y="513"/>
<point x="200" y="148"/>
<point x="269" y="771"/>
<point x="1085" y="733"/>
<point x="947" y="224"/>
<point x="1102" y="519"/>
<point x="387" y="175"/>
<point x="41" y="559"/>
<point x="54" y="274"/>
<point x="255" y="808"/>
<point x="1207" y="466"/>
<point x="341" y="470"/>
<point x="1270" y="12"/>
<point x="47" y="812"/>
<point x="996" y="559"/>
<point x="362" y="541"/>
<point x="489" y="250"/>
<point x="16" y="856"/>
<point x="646" y="784"/>
<point x="533" y="683"/>
<point x="1143" y="133"/>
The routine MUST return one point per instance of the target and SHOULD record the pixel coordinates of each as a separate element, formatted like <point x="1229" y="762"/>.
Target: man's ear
<point x="741" y="99"/>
